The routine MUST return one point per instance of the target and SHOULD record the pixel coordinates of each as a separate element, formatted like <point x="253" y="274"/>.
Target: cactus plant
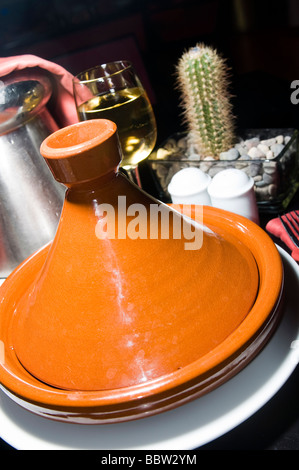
<point x="202" y="77"/>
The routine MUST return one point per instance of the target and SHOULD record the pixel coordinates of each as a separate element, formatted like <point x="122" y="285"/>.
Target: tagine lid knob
<point x="79" y="157"/>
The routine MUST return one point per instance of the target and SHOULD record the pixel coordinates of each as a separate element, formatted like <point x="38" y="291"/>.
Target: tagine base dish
<point x="169" y="391"/>
<point x="187" y="427"/>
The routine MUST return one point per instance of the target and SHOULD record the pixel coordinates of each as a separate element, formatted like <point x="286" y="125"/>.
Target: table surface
<point x="275" y="426"/>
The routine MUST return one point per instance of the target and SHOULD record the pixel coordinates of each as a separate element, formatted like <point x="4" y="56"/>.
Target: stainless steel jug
<point x="30" y="198"/>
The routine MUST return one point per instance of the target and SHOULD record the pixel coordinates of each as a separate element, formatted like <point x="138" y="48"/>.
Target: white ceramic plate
<point x="187" y="427"/>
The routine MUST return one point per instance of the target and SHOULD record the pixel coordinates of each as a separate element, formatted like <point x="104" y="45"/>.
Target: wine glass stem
<point x="133" y="175"/>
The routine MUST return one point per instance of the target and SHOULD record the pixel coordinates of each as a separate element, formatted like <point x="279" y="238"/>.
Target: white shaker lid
<point x="188" y="181"/>
<point x="230" y="183"/>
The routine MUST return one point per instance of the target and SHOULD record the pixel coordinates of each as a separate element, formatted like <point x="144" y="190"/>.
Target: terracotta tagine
<point x="112" y="325"/>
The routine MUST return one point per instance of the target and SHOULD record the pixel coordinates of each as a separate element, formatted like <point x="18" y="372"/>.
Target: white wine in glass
<point x="113" y="91"/>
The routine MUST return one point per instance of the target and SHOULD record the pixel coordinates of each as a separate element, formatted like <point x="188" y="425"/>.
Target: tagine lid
<point x="111" y="312"/>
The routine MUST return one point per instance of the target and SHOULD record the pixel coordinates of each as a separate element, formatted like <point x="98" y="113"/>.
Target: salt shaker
<point x="233" y="190"/>
<point x="189" y="186"/>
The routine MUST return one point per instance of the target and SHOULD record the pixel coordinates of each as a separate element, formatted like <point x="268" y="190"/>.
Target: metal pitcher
<point x="30" y="198"/>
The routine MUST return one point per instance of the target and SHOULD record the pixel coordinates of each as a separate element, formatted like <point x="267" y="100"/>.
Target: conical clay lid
<point x="117" y="302"/>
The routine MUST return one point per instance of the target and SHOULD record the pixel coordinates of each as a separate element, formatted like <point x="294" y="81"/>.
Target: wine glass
<point x="114" y="91"/>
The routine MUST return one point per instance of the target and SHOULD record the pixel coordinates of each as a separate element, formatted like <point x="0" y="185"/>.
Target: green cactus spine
<point x="203" y="82"/>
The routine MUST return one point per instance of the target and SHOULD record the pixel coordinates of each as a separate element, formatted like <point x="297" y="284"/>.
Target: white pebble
<point x="268" y="179"/>
<point x="239" y="145"/>
<point x="231" y="154"/>
<point x="270" y="170"/>
<point x="162" y="153"/>
<point x="242" y="149"/>
<point x="269" y="142"/>
<point x="244" y="157"/>
<point x="287" y="139"/>
<point x="254" y="169"/>
<point x="279" y="139"/>
<point x="276" y="149"/>
<point x="257" y="178"/>
<point x="262" y="192"/>
<point x="263" y="148"/>
<point x="255" y="153"/>
<point x="252" y="142"/>
<point x="270" y="155"/>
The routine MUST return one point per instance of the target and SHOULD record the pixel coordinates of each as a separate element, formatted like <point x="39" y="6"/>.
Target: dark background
<point x="260" y="41"/>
